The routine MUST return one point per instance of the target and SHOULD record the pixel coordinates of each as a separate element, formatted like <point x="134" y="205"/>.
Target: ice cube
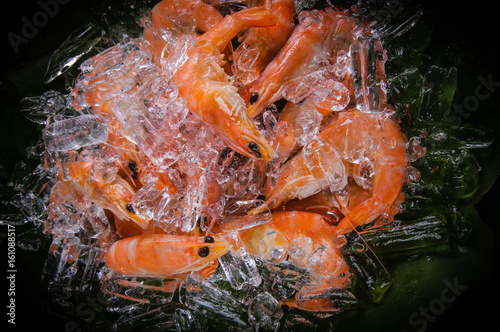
<point x="265" y="312"/>
<point x="176" y="51"/>
<point x="366" y="266"/>
<point x="317" y="90"/>
<point x="79" y="43"/>
<point x="203" y="295"/>
<point x="300" y="250"/>
<point x="132" y="114"/>
<point x="325" y="163"/>
<point x="74" y="133"/>
<point x="51" y="105"/>
<point x="143" y="317"/>
<point x="238" y="265"/>
<point x="282" y="280"/>
<point x="305" y="125"/>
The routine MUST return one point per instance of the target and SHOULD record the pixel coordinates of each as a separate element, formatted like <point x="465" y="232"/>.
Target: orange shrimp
<point x="305" y="237"/>
<point x="325" y="32"/>
<point x="259" y="45"/>
<point x="290" y="126"/>
<point x="207" y="89"/>
<point x="373" y="151"/>
<point x="128" y="156"/>
<point x="307" y="240"/>
<point x="177" y="17"/>
<point x="164" y="255"/>
<point x="106" y="188"/>
<point x="369" y="59"/>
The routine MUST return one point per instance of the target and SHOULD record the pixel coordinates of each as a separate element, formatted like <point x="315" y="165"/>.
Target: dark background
<point x="472" y="25"/>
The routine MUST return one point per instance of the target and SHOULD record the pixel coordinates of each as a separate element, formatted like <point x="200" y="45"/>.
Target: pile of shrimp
<point x="250" y="128"/>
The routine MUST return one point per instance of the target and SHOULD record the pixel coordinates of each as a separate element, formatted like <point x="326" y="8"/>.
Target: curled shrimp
<point x="208" y="92"/>
<point x="175" y="16"/>
<point x="259" y="45"/>
<point x="325" y="32"/>
<point x="164" y="255"/>
<point x="306" y="239"/>
<point x="372" y="150"/>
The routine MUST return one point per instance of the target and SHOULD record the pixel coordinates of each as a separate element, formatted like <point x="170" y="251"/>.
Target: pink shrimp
<point x="207" y="89"/>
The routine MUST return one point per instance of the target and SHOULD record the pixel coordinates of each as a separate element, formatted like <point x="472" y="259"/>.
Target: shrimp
<point x="207" y="89"/>
<point x="307" y="240"/>
<point x="325" y="32"/>
<point x="306" y="237"/>
<point x="128" y="156"/>
<point x="373" y="150"/>
<point x="259" y="45"/>
<point x="176" y="16"/>
<point x="164" y="255"/>
<point x="106" y="188"/>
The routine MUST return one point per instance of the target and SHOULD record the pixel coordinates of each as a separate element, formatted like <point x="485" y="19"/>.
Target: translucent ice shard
<point x="325" y="164"/>
<point x="238" y="265"/>
<point x="203" y="295"/>
<point x="144" y="317"/>
<point x="305" y="125"/>
<point x="366" y="266"/>
<point x="51" y="105"/>
<point x="316" y="89"/>
<point x="133" y="115"/>
<point x="370" y="86"/>
<point x="74" y="133"/>
<point x="265" y="312"/>
<point x="77" y="45"/>
<point x="399" y="236"/>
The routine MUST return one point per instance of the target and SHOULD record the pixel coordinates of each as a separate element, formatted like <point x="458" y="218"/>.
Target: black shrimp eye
<point x="132" y="165"/>
<point x="130" y="208"/>
<point x="255" y="149"/>
<point x="209" y="239"/>
<point x="253" y="97"/>
<point x="203" y="252"/>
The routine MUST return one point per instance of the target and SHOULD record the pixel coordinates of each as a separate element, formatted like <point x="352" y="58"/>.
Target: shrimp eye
<point x="132" y="165"/>
<point x="209" y="239"/>
<point x="130" y="208"/>
<point x="255" y="149"/>
<point x="253" y="97"/>
<point x="203" y="252"/>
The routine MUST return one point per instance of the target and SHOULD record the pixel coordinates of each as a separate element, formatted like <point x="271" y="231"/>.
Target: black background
<point x="474" y="24"/>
